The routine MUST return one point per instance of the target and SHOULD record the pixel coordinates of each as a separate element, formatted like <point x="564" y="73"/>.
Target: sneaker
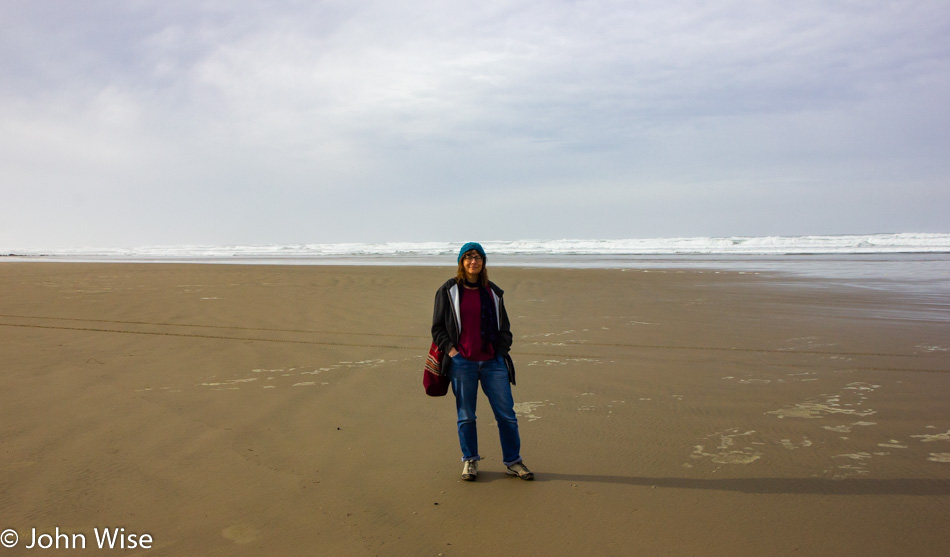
<point x="470" y="470"/>
<point x="520" y="470"/>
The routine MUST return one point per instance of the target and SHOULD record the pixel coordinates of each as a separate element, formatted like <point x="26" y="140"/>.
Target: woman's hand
<point x="452" y="352"/>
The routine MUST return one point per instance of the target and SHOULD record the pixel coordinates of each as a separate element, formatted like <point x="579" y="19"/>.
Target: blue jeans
<point x="493" y="375"/>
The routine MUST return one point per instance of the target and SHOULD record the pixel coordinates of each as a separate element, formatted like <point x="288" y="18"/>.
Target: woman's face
<point x="472" y="263"/>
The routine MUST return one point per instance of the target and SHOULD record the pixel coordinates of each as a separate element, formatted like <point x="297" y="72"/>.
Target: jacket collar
<point x="456" y="306"/>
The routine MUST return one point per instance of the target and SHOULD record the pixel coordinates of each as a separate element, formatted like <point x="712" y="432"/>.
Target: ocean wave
<point x="736" y="245"/>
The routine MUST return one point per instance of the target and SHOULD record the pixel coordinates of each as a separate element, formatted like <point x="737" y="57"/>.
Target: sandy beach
<point x="251" y="410"/>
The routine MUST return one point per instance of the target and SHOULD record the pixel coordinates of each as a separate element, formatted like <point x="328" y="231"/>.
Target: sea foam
<point x="735" y="245"/>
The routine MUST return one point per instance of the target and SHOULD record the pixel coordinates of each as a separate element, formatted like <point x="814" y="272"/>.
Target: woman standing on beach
<point x="470" y="325"/>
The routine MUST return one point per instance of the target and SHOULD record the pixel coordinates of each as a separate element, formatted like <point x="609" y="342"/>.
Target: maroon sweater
<point x="470" y="338"/>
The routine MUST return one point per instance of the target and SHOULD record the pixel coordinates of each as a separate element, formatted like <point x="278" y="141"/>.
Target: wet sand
<point x="248" y="410"/>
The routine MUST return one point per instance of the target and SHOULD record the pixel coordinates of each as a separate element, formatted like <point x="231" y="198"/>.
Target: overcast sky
<point x="130" y="123"/>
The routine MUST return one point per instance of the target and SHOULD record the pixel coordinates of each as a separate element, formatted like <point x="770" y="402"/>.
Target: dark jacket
<point x="446" y="320"/>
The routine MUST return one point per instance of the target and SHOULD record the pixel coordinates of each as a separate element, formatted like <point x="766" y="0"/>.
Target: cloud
<point x="368" y="104"/>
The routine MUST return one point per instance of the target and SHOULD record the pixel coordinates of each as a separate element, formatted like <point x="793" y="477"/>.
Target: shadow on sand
<point x="791" y="486"/>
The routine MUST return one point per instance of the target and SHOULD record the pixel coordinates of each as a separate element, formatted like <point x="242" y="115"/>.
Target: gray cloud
<point x="238" y="122"/>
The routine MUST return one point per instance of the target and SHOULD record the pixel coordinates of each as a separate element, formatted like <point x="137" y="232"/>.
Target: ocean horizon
<point x="915" y="266"/>
<point x="906" y="242"/>
<point x="911" y="262"/>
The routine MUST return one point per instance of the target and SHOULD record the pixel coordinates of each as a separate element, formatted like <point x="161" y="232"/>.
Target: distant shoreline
<point x="919" y="274"/>
<point x="852" y="244"/>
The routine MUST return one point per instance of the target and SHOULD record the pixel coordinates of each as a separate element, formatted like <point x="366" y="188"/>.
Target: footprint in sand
<point x="806" y="343"/>
<point x="545" y="335"/>
<point x="847" y="428"/>
<point x="932" y="438"/>
<point x="564" y="362"/>
<point x="270" y="374"/>
<point x="727" y="451"/>
<point x="812" y="410"/>
<point x="858" y="465"/>
<point x="526" y="409"/>
<point x="547" y="363"/>
<point x="892" y="444"/>
<point x="241" y="533"/>
<point x="832" y="404"/>
<point x="788" y="444"/>
<point x="227" y="385"/>
<point x="793" y="377"/>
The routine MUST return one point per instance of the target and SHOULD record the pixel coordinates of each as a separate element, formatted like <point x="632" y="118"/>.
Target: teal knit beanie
<point x="472" y="246"/>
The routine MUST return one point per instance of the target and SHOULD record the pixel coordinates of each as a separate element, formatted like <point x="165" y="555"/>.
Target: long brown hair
<point x="482" y="276"/>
